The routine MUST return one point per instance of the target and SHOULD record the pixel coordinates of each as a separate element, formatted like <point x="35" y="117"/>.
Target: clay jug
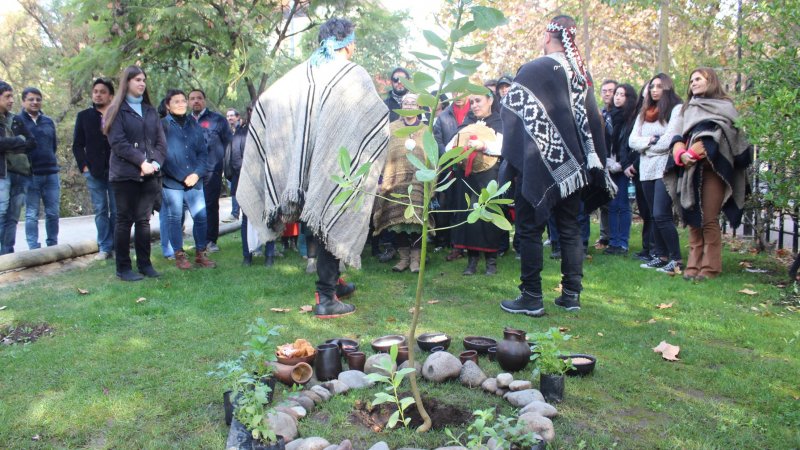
<point x="356" y="360"/>
<point x="299" y="373"/>
<point x="327" y="363"/>
<point x="513" y="352"/>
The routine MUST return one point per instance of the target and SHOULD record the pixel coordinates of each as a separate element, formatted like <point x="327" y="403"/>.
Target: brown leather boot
<point x="413" y="266"/>
<point x="201" y="259"/>
<point x="181" y="261"/>
<point x="402" y="265"/>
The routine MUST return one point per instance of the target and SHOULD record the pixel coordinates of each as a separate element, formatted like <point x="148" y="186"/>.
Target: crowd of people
<point x="541" y="129"/>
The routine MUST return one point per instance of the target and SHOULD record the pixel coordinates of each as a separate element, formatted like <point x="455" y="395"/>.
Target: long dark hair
<point x="714" y="89"/>
<point x="628" y="109"/>
<point x="128" y="74"/>
<point x="669" y="99"/>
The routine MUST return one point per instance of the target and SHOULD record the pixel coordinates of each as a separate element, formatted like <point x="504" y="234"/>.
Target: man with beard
<point x="553" y="139"/>
<point x="91" y="150"/>
<point x="395" y="96"/>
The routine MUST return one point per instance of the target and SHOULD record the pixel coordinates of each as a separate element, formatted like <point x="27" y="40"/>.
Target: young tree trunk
<point x="663" y="38"/>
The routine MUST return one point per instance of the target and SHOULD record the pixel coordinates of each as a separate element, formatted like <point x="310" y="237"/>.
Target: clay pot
<point x="299" y="373"/>
<point x="492" y="353"/>
<point x="513" y="352"/>
<point x="552" y="387"/>
<point x="402" y="354"/>
<point x="468" y="355"/>
<point x="327" y="363"/>
<point x="438" y="348"/>
<point x="356" y="360"/>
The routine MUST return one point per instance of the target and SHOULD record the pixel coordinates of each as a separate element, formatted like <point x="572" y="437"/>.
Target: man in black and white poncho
<point x="296" y="130"/>
<point x="553" y="139"/>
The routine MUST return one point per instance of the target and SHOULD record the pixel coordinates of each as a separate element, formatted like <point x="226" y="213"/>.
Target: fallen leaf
<point x="3" y="307"/>
<point x="745" y="264"/>
<point x="754" y="308"/>
<point x="391" y="319"/>
<point x="82" y="291"/>
<point x="433" y="302"/>
<point x="665" y="305"/>
<point x="748" y="292"/>
<point x="563" y="329"/>
<point x="557" y="288"/>
<point x="782" y="252"/>
<point x="600" y="334"/>
<point x="35" y="437"/>
<point x="306" y="308"/>
<point x="668" y="351"/>
<point x="280" y="309"/>
<point x="651" y="321"/>
<point x="673" y="332"/>
<point x="411" y="310"/>
<point x="105" y="390"/>
<point x="140" y="299"/>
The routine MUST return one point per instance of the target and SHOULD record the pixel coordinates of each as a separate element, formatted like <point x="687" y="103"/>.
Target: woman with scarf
<point x="658" y="121"/>
<point x="711" y="157"/>
<point x="186" y="158"/>
<point x="398" y="175"/>
<point x="138" y="149"/>
<point x="623" y="114"/>
<point x="481" y="132"/>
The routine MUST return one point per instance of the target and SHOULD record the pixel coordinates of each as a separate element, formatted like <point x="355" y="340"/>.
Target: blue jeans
<point x="46" y="188"/>
<point x="619" y="213"/>
<point x="173" y="200"/>
<point x="234" y="183"/>
<point x="163" y="220"/>
<point x="16" y="198"/>
<point x="105" y="211"/>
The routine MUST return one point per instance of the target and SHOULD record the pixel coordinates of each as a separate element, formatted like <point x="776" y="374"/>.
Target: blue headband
<point x="327" y="48"/>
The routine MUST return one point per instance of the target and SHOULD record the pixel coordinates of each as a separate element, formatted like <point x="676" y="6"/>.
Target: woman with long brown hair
<point x="138" y="149"/>
<point x="711" y="157"/>
<point x="658" y="120"/>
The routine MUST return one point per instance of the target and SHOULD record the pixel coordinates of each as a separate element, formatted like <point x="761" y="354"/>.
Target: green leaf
<point x="426" y="175"/>
<point x="468" y="27"/>
<point x="466" y="66"/>
<point x="342" y="197"/>
<point x="486" y="17"/>
<point x="477" y="90"/>
<point x="459" y="85"/>
<point x="409" y="212"/>
<point x="363" y="170"/>
<point x="396" y="195"/>
<point x="409" y="112"/>
<point x="406" y="402"/>
<point x="473" y="49"/>
<point x="416" y="162"/>
<point x="435" y="40"/>
<point x="338" y="179"/>
<point x="377" y="378"/>
<point x="425" y="56"/>
<point x="408" y="131"/>
<point x="444" y="187"/>
<point x="404" y="372"/>
<point x="500" y="221"/>
<point x="430" y="146"/>
<point x="426" y="100"/>
<point x="344" y="161"/>
<point x="423" y="80"/>
<point x="474" y="216"/>
<point x="393" y="352"/>
<point x="393" y="419"/>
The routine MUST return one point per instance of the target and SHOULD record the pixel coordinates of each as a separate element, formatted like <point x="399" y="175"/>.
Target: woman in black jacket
<point x="138" y="149"/>
<point x="623" y="114"/>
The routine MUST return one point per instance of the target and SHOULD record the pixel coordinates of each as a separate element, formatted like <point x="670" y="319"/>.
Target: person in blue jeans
<point x="44" y="185"/>
<point x="186" y="160"/>
<point x="92" y="151"/>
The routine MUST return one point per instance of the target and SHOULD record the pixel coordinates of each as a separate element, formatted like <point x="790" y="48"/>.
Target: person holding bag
<point x="138" y="149"/>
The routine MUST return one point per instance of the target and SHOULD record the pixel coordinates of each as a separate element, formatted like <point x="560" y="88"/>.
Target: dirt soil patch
<point x="442" y="414"/>
<point x="24" y="333"/>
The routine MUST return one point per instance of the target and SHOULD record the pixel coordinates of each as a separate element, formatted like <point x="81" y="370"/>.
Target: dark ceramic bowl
<point x="581" y="369"/>
<point x="428" y="341"/>
<point x="345" y="345"/>
<point x="383" y="344"/>
<point x="481" y="344"/>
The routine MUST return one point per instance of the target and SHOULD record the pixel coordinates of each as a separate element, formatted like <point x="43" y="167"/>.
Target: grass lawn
<point x="117" y="373"/>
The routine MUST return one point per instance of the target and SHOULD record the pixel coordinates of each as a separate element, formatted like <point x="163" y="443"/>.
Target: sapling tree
<point x="452" y="68"/>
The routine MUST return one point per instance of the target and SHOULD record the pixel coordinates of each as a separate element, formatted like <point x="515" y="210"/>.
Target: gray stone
<point x="354" y="379"/>
<point x="519" y="385"/>
<point x="290" y="411"/>
<point x="314" y="443"/>
<point x="345" y="445"/>
<point x="538" y="424"/>
<point x="452" y="447"/>
<point x="504" y="380"/>
<point x="283" y="425"/>
<point x="441" y="366"/>
<point x="294" y="445"/>
<point x="522" y="398"/>
<point x="407" y="364"/>
<point x="306" y="402"/>
<point x="313" y="396"/>
<point x="500" y="392"/>
<point x="338" y="387"/>
<point x="332" y="447"/>
<point x="371" y="366"/>
<point x="380" y="446"/>
<point x="490" y="385"/>
<point x="410" y="448"/>
<point x="471" y="375"/>
<point x="542" y="408"/>
<point x="323" y="393"/>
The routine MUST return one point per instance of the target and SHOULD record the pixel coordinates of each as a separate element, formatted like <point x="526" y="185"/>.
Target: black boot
<point x="491" y="263"/>
<point x="472" y="266"/>
<point x="269" y="260"/>
<point x="526" y="303"/>
<point x="247" y="260"/>
<point x="344" y="289"/>
<point x="571" y="301"/>
<point x="331" y="308"/>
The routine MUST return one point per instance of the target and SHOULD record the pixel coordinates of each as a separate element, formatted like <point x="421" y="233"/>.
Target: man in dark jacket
<point x="91" y="150"/>
<point x="45" y="185"/>
<point x="15" y="141"/>
<point x="395" y="96"/>
<point x="218" y="136"/>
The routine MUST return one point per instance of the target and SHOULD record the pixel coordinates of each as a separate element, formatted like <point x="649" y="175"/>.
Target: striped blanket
<point x="296" y="130"/>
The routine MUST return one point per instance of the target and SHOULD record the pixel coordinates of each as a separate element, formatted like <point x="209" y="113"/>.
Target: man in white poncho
<point x="297" y="128"/>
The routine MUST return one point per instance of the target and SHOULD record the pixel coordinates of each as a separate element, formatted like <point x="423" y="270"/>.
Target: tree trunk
<point x="663" y="38"/>
<point x="587" y="52"/>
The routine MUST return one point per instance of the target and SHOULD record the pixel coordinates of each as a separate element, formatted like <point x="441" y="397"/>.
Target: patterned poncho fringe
<point x="553" y="136"/>
<point x="296" y="130"/>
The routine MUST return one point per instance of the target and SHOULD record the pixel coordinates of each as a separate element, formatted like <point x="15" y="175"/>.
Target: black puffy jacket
<point x="135" y="139"/>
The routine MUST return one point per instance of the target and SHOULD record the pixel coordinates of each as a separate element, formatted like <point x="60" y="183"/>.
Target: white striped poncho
<point x="296" y="130"/>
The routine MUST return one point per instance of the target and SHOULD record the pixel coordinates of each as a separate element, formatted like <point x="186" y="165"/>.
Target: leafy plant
<point x="252" y="410"/>
<point x="506" y="432"/>
<point x="451" y="77"/>
<point x="259" y="348"/>
<point x="546" y="354"/>
<point x="393" y="381"/>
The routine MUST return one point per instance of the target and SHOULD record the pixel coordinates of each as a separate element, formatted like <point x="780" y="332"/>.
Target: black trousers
<point x="327" y="271"/>
<point x="665" y="232"/>
<point x="530" y="244"/>
<point x="212" y="187"/>
<point x="135" y="201"/>
<point x="648" y="244"/>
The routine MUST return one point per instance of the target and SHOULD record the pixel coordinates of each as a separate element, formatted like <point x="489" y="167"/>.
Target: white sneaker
<point x="102" y="256"/>
<point x="229" y="219"/>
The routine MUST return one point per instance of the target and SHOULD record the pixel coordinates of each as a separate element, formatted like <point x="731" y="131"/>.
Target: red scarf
<point x="651" y="114"/>
<point x="460" y="112"/>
